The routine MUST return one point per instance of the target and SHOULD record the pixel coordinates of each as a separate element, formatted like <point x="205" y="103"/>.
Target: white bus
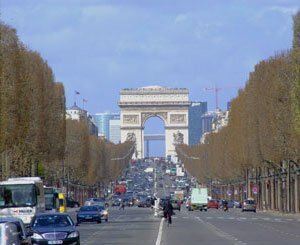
<point x="22" y="198"/>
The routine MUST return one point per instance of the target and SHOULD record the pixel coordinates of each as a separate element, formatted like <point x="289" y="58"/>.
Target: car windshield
<point x="250" y="202"/>
<point x="18" y="195"/>
<point x="52" y="221"/>
<point x="88" y="208"/>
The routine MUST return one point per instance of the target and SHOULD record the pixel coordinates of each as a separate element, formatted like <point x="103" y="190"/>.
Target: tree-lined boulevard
<point x="255" y="157"/>
<point x="257" y="154"/>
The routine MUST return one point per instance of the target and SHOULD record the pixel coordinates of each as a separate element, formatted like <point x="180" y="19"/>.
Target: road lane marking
<point x="158" y="240"/>
<point x="221" y="233"/>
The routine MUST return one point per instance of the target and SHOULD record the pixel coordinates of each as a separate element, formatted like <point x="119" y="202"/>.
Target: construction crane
<point x="216" y="90"/>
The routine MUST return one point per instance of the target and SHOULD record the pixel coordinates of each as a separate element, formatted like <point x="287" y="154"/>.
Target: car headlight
<point x="36" y="236"/>
<point x="73" y="234"/>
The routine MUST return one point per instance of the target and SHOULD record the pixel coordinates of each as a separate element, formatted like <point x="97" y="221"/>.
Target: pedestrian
<point x="122" y="206"/>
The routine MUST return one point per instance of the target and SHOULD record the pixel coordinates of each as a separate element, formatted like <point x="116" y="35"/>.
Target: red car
<point x="213" y="204"/>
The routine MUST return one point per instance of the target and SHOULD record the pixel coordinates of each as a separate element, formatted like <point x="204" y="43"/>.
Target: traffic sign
<point x="254" y="190"/>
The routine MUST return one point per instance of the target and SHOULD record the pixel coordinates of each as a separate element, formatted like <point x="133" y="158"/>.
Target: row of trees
<point x="32" y="109"/>
<point x="91" y="160"/>
<point x="35" y="137"/>
<point x="264" y="125"/>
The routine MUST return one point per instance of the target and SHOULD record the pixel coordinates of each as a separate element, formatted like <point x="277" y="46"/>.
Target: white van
<point x="9" y="234"/>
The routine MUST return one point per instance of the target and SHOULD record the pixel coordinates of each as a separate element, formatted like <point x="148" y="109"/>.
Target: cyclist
<point x="168" y="212"/>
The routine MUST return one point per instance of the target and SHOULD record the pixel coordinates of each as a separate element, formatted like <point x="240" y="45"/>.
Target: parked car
<point x="249" y="205"/>
<point x="71" y="203"/>
<point x="9" y="234"/>
<point x="89" y="214"/>
<point x="24" y="235"/>
<point x="213" y="204"/>
<point x="54" y="228"/>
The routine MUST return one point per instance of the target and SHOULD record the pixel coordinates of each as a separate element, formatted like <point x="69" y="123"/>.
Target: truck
<point x="199" y="199"/>
<point x="22" y="198"/>
<point x="179" y="172"/>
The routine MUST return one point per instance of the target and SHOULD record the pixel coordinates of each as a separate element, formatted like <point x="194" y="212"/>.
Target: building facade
<point x="76" y="113"/>
<point x="115" y="131"/>
<point x="102" y="121"/>
<point x="213" y="121"/>
<point x="196" y="110"/>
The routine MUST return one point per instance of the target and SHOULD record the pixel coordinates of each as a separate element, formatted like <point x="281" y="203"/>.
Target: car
<point x="144" y="203"/>
<point x="115" y="203"/>
<point x="89" y="214"/>
<point x="104" y="212"/>
<point x="71" y="203"/>
<point x="54" y="228"/>
<point x="249" y="205"/>
<point x="95" y="201"/>
<point x="234" y="204"/>
<point x="127" y="201"/>
<point x="25" y="236"/>
<point x="176" y="204"/>
<point x="213" y="204"/>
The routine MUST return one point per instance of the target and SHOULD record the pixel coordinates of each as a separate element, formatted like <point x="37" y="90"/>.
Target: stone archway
<point x="169" y="104"/>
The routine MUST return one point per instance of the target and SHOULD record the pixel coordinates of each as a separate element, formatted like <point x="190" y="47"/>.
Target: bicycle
<point x="168" y="219"/>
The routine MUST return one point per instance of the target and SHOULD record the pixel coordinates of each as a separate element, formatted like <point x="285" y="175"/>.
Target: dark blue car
<point x="54" y="228"/>
<point x="88" y="214"/>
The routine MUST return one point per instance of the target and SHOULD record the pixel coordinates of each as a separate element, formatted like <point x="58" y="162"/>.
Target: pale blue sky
<point x="99" y="47"/>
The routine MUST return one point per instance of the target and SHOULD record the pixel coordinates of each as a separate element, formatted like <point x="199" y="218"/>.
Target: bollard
<point x="156" y="207"/>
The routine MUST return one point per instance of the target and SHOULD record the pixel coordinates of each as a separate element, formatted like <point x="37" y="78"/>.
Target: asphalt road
<point x="139" y="226"/>
<point x="131" y="226"/>
<point x="233" y="227"/>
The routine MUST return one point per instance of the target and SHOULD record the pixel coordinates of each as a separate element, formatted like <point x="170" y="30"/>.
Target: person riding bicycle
<point x="168" y="211"/>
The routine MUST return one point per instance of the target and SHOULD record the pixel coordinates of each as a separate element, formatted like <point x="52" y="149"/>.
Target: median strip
<point x="158" y="240"/>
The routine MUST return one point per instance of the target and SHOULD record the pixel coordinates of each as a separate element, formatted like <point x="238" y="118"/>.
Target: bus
<point x="22" y="198"/>
<point x="120" y="188"/>
<point x="51" y="199"/>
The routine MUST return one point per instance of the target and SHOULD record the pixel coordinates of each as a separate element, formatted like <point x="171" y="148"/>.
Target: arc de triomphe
<point x="169" y="104"/>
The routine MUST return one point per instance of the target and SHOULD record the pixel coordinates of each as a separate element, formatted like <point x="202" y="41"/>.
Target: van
<point x="9" y="234"/>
